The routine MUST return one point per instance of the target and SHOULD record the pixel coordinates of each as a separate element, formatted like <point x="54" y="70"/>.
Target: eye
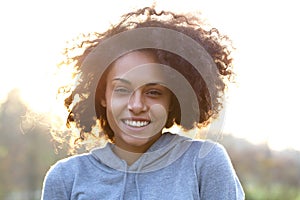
<point x="154" y="93"/>
<point x="122" y="90"/>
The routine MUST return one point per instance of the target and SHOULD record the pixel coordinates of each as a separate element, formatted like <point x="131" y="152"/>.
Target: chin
<point x="133" y="143"/>
<point x="134" y="140"/>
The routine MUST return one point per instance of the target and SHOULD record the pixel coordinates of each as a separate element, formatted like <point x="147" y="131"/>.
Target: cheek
<point x="159" y="115"/>
<point x="166" y="103"/>
<point x="158" y="112"/>
<point x="116" y="106"/>
<point x="113" y="111"/>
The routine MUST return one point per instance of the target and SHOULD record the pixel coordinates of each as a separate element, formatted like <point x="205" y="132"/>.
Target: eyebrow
<point x="122" y="80"/>
<point x="147" y="84"/>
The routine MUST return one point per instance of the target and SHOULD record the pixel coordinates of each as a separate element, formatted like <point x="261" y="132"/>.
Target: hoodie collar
<point x="167" y="149"/>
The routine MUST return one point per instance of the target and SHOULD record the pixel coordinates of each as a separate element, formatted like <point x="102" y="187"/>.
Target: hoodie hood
<point x="167" y="149"/>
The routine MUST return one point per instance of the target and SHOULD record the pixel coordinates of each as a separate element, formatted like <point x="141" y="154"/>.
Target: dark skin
<point x="137" y="105"/>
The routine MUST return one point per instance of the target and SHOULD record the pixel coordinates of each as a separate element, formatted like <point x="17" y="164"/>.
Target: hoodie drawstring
<point x="124" y="182"/>
<point x="136" y="178"/>
<point x="137" y="188"/>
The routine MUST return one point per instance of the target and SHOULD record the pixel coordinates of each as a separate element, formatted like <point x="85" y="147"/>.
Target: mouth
<point x="136" y="123"/>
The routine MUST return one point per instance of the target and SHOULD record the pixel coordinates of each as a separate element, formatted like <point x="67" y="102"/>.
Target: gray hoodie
<point x="174" y="167"/>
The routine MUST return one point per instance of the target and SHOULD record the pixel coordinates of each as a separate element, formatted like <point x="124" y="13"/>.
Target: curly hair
<point x="209" y="102"/>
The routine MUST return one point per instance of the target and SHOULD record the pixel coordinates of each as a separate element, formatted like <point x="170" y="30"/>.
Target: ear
<point x="103" y="102"/>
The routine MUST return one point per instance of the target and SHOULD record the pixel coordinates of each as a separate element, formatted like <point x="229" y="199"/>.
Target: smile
<point x="134" y="123"/>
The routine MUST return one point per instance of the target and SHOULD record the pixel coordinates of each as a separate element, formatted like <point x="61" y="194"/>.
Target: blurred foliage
<point x="26" y="153"/>
<point x="264" y="174"/>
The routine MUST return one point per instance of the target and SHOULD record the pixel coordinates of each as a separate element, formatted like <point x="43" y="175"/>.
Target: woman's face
<point x="136" y="100"/>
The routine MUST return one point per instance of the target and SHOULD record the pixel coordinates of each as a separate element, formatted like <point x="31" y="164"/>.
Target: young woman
<point x="143" y="75"/>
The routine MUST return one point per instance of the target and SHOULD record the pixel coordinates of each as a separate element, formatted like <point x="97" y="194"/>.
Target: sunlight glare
<point x="262" y="108"/>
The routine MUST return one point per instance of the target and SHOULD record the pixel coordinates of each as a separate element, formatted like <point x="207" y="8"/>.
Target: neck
<point x="131" y="153"/>
<point x="128" y="156"/>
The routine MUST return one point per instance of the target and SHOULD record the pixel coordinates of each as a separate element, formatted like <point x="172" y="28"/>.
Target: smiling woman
<point x="147" y="73"/>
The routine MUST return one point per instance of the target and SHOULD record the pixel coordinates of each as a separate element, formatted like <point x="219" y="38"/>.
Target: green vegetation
<point x="265" y="174"/>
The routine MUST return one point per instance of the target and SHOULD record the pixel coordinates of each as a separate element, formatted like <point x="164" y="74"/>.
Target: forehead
<point x="138" y="66"/>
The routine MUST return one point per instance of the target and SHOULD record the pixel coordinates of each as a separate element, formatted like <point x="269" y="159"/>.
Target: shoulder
<point x="215" y="171"/>
<point x="203" y="152"/>
<point x="74" y="159"/>
<point x="210" y="158"/>
<point x="68" y="166"/>
<point x="210" y="154"/>
<point x="60" y="177"/>
<point x="207" y="149"/>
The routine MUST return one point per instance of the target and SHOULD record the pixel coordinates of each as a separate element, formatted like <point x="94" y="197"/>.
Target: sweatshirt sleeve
<point x="54" y="185"/>
<point x="218" y="179"/>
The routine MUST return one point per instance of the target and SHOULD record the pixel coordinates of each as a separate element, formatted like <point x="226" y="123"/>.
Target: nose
<point x="136" y="102"/>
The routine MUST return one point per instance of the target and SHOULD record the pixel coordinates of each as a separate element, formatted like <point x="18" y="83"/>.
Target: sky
<point x="263" y="105"/>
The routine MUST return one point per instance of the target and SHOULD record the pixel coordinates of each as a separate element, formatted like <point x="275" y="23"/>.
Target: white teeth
<point x="136" y="123"/>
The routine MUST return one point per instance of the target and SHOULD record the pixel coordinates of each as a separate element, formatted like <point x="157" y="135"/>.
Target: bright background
<point x="262" y="107"/>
